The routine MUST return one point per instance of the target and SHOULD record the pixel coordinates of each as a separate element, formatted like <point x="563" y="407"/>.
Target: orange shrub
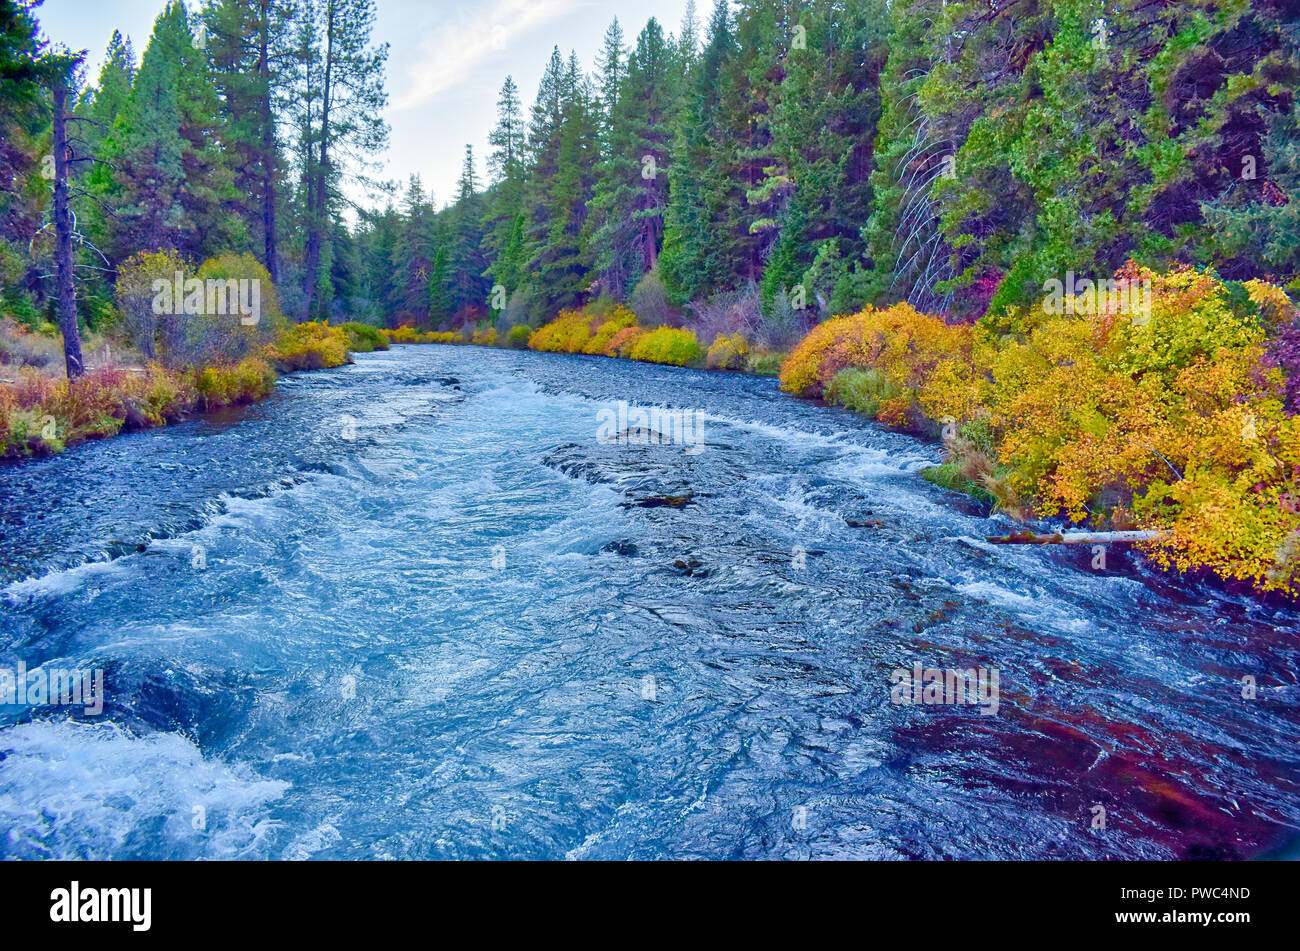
<point x="620" y="319"/>
<point x="906" y="347"/>
<point x="621" y="344"/>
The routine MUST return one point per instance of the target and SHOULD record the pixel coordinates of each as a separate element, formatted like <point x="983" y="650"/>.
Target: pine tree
<point x="507" y="139"/>
<point x="107" y="101"/>
<point x="412" y="254"/>
<point x="612" y="68"/>
<point x="338" y="95"/>
<point x="692" y="263"/>
<point x="249" y="44"/>
<point x="823" y="128"/>
<point x="557" y="256"/>
<point x="466" y="293"/>
<point x="23" y="116"/>
<point x="151" y="165"/>
<point x="503" y="217"/>
<point x="377" y="237"/>
<point x="561" y="148"/>
<point x="688" y="44"/>
<point x="173" y="180"/>
<point x="632" y="188"/>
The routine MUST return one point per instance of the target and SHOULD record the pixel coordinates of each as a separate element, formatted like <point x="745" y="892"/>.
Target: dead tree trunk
<point x="64" y="255"/>
<point x="1076" y="538"/>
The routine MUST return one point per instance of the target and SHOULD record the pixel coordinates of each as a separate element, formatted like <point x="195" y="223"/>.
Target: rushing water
<point x="414" y="608"/>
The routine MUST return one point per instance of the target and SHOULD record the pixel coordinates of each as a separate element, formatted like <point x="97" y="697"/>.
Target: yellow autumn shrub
<point x="567" y="333"/>
<point x="728" y="352"/>
<point x="406" y="334"/>
<point x="668" y="345"/>
<point x="248" y="380"/>
<point x="901" y="344"/>
<point x="1165" y="416"/>
<point x="309" y="346"/>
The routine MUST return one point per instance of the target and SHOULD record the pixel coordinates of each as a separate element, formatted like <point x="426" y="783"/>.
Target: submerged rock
<point x="662" y="501"/>
<point x="690" y="567"/>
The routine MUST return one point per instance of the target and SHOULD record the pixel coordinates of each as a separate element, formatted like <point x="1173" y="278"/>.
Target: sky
<point x="447" y="60"/>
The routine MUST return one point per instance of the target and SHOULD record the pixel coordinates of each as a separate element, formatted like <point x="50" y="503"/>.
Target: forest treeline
<point x="820" y="156"/>
<point x="789" y="160"/>
<point x="765" y="166"/>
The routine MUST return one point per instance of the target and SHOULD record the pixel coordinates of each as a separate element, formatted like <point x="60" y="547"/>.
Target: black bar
<point x="218" y="900"/>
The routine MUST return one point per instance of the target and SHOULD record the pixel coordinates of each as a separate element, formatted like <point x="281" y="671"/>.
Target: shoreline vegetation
<point x="41" y="414"/>
<point x="1176" y="418"/>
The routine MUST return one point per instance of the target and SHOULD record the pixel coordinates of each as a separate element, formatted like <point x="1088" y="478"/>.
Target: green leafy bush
<point x="363" y="338"/>
<point x="669" y="345"/>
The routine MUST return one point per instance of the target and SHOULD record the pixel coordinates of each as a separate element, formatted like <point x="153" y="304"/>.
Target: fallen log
<point x="1075" y="538"/>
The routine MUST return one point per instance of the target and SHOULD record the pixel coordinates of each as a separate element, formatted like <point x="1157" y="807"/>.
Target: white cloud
<point x="451" y="52"/>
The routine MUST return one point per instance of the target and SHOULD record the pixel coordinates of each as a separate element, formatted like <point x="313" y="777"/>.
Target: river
<point x="416" y="608"/>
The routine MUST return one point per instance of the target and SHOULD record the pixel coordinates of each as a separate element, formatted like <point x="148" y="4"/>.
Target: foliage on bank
<point x="41" y="413"/>
<point x="1174" y="420"/>
<point x="616" y="333"/>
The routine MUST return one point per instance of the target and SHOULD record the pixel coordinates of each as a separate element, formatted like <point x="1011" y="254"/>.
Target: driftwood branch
<point x="1076" y="538"/>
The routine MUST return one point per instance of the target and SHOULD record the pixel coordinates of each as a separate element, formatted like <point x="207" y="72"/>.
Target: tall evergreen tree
<point x="23" y="113"/>
<point x="412" y="254"/>
<point x="107" y="100"/>
<point x="339" y="97"/>
<point x="693" y="263"/>
<point x="823" y="128"/>
<point x="632" y="188"/>
<point x="249" y="45"/>
<point x="466" y="293"/>
<point x="503" y="216"/>
<point x="507" y="139"/>
<point x="612" y="68"/>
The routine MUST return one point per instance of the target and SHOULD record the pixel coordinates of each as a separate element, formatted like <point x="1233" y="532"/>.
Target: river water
<point x="416" y="608"/>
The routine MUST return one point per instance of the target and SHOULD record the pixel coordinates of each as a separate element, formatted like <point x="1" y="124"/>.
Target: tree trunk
<point x="317" y="203"/>
<point x="268" y="144"/>
<point x="64" y="257"/>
